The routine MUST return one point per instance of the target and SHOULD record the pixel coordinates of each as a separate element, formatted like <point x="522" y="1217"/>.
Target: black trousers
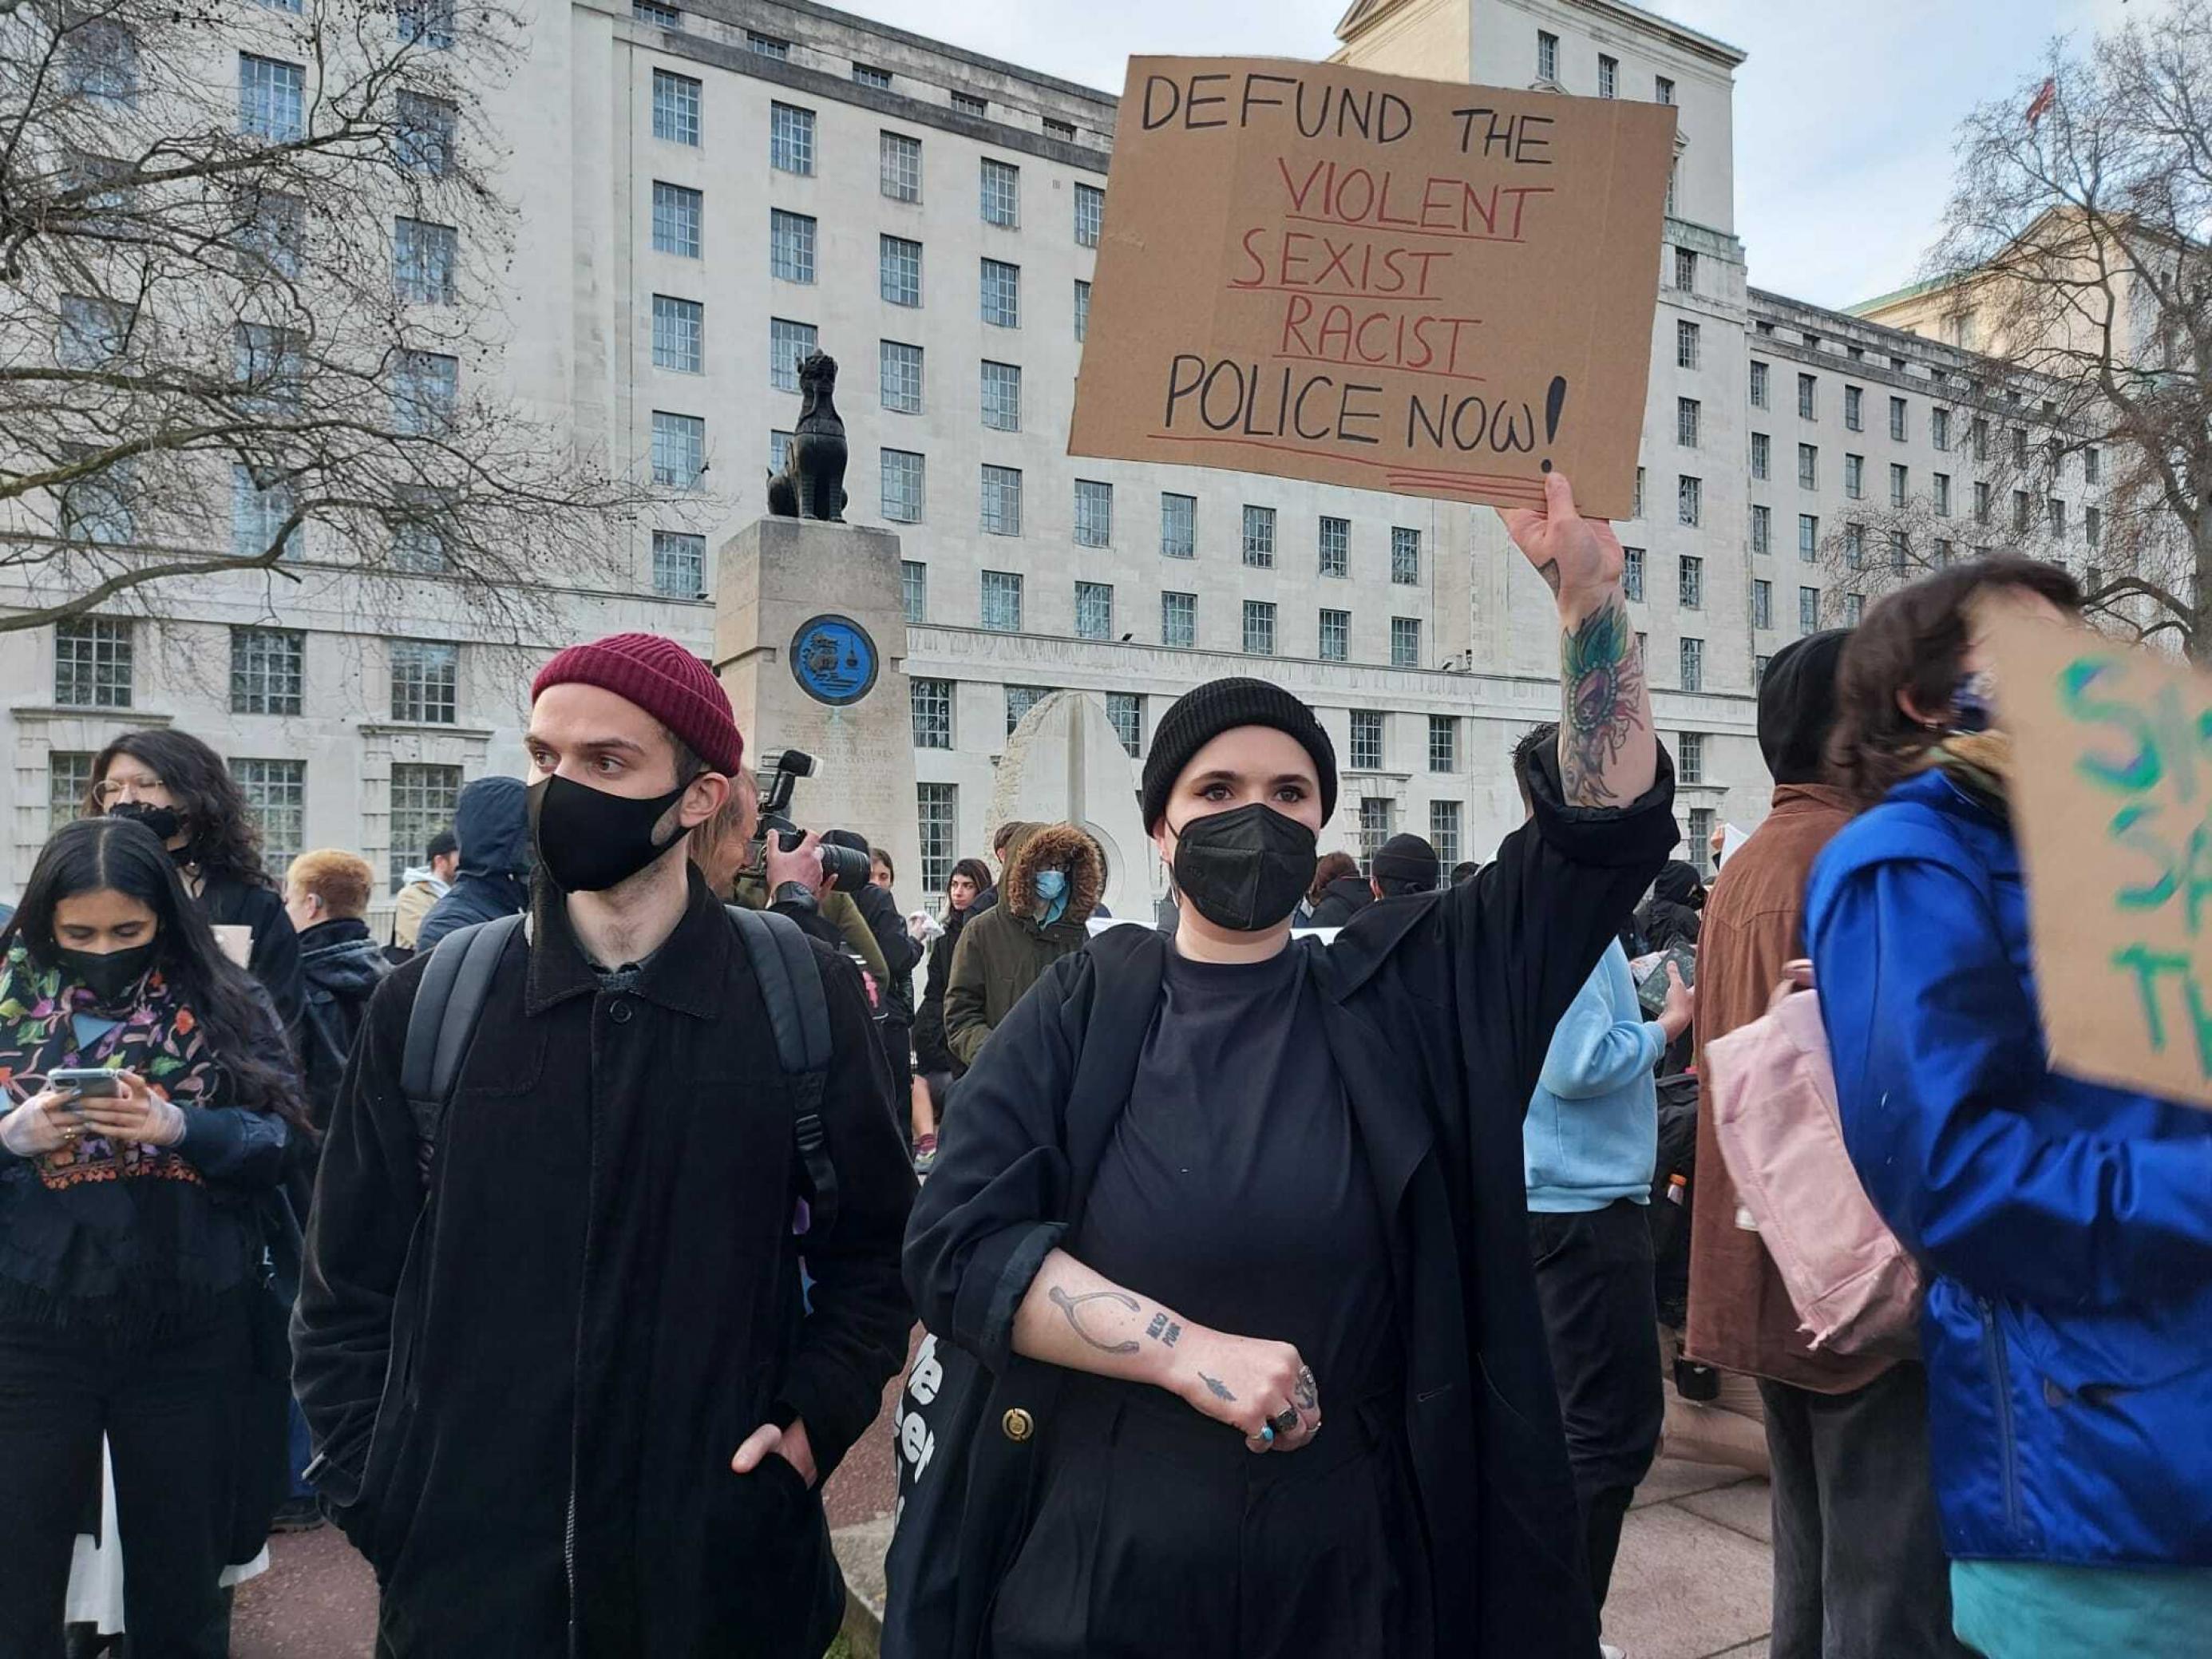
<point x="168" y="1409"/>
<point x="1157" y="1532"/>
<point x="1859" y="1567"/>
<point x="1593" y="1276"/>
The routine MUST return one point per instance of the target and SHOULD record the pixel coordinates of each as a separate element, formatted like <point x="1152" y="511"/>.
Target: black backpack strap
<point x="448" y="1003"/>
<point x="783" y="961"/>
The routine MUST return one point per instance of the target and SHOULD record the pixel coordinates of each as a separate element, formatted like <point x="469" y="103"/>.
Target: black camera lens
<point x="848" y="869"/>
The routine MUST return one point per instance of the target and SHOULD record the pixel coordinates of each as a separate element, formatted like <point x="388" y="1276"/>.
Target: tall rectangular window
<point x="2091" y="466"/>
<point x="1854" y="609"/>
<point x="678" y="334"/>
<point x="674" y="108"/>
<point x="1854" y="545"/>
<point x="1663" y="89"/>
<point x="1379" y="820"/>
<point x="1900" y="484"/>
<point x="1002" y="294"/>
<point x="679" y="450"/>
<point x="1547" y="56"/>
<point x="1977" y="434"/>
<point x="268" y="670"/>
<point x="791" y="246"/>
<point x="1094" y="611"/>
<point x="1808" y="466"/>
<point x="1260" y="538"/>
<point x="1090" y="215"/>
<point x="1082" y="310"/>
<point x="1809" y="609"/>
<point x="1179" y="620"/>
<point x="1002" y="601"/>
<point x="1002" y="500"/>
<point x="1002" y="396"/>
<point x="1608" y="77"/>
<point x="1692" y="584"/>
<point x="901" y="168"/>
<point x="258" y="514"/>
<point x="903" y="482"/>
<point x="1762" y="605"/>
<point x="423" y="801"/>
<point x="1444" y="835"/>
<point x="1758" y="377"/>
<point x="1404" y="641"/>
<point x="1854" y="475"/>
<point x="427" y="23"/>
<point x="898" y="372"/>
<point x="1940" y="483"/>
<point x="1897" y="428"/>
<point x="1685" y="345"/>
<point x="1178" y="527"/>
<point x="1689" y="499"/>
<point x="1807" y="397"/>
<point x="937" y="804"/>
<point x="1693" y="665"/>
<point x="275" y="794"/>
<point x="100" y="61"/>
<point x="1366" y="740"/>
<point x="1094" y="513"/>
<point x="931" y="702"/>
<point x="2055" y="516"/>
<point x="68" y="781"/>
<point x="1981" y="502"/>
<point x="1762" y="456"/>
<point x="1939" y="428"/>
<point x="1259" y="627"/>
<point x="271" y="99"/>
<point x="1853" y="420"/>
<point x="423" y="255"/>
<point x="1685" y="270"/>
<point x="1636" y="507"/>
<point x="1900" y="551"/>
<point x="2020" y="511"/>
<point x="425" y="392"/>
<point x="1632" y="572"/>
<point x="1126" y="710"/>
<point x="679" y="565"/>
<point x="2093" y="526"/>
<point x="1001" y="193"/>
<point x="1336" y="547"/>
<point x="1335" y="636"/>
<point x="675" y="219"/>
<point x="791" y="139"/>
<point x="789" y="344"/>
<point x="425" y="681"/>
<point x="423" y="138"/>
<point x="92" y="662"/>
<point x="1686" y="422"/>
<point x="898" y="269"/>
<point x="1762" y="530"/>
<point x="1690" y="756"/>
<point x="1443" y="743"/>
<point x="1405" y="556"/>
<point x="913" y="590"/>
<point x="1809" y="537"/>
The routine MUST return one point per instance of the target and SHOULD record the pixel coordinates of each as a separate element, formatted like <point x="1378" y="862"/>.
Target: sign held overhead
<point x="1415" y="285"/>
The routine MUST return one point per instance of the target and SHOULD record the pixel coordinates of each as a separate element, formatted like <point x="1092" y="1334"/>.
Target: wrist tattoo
<point x="1601" y="678"/>
<point x="1163" y="1330"/>
<point x="1072" y="1306"/>
<point x="1217" y="1387"/>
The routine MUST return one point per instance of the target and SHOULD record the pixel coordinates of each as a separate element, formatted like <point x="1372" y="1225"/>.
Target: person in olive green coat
<point x="1050" y="889"/>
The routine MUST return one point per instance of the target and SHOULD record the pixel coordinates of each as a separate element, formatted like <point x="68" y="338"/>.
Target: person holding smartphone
<point x="144" y="1116"/>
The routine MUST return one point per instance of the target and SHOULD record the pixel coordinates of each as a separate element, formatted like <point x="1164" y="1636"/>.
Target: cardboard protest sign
<point x="2111" y="797"/>
<point x="1418" y="286"/>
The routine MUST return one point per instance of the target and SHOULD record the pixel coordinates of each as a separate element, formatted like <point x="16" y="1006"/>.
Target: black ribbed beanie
<point x="1200" y="715"/>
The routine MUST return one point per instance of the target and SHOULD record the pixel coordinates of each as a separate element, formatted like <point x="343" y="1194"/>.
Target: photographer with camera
<point x="835" y="875"/>
<point x="578" y="1407"/>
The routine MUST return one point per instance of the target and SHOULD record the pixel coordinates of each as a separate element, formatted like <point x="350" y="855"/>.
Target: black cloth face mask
<point x="590" y="841"/>
<point x="110" y="975"/>
<point x="165" y="822"/>
<point x="1245" y="870"/>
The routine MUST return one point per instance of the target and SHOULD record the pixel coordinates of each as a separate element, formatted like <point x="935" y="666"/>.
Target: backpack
<point x="1771" y="1090"/>
<point x="450" y="1000"/>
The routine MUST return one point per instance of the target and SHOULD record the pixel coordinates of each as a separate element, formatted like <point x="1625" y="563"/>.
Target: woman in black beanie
<point x="1206" y="1191"/>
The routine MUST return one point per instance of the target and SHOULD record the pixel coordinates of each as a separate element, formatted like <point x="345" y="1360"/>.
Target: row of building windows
<point x="96" y="667"/>
<point x="1940" y="421"/>
<point x="1609" y="70"/>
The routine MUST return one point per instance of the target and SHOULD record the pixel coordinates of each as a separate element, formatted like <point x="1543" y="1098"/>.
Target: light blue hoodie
<point x="1592" y="1131"/>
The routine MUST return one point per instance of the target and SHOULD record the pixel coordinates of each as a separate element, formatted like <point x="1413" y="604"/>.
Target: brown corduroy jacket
<point x="1740" y="1317"/>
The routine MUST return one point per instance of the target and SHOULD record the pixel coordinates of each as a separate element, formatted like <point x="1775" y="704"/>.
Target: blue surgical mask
<point x="1052" y="888"/>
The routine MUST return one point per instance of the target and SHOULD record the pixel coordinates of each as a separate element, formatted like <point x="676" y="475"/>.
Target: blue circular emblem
<point x="833" y="660"/>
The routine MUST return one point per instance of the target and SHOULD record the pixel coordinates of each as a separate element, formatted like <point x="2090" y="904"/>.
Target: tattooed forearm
<point x="1217" y="1387"/>
<point x="1601" y="683"/>
<point x="1071" y="1307"/>
<point x="1163" y="1330"/>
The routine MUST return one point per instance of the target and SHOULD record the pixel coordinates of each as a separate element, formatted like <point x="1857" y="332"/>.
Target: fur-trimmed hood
<point x="1055" y="846"/>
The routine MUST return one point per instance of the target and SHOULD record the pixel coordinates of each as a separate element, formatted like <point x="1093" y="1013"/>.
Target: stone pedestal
<point x="810" y="641"/>
<point x="1065" y="765"/>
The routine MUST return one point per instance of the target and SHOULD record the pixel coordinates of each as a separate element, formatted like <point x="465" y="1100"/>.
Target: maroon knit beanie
<point x="664" y="679"/>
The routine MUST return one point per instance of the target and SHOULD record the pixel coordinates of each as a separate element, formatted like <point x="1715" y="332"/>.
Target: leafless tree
<point x="2076" y="237"/>
<point x="251" y="264"/>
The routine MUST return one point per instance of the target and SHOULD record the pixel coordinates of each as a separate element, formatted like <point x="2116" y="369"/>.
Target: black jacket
<point x="537" y="1378"/>
<point x="1439" y="1009"/>
<point x="902" y="955"/>
<point x="492" y="824"/>
<point x="1341" y="900"/>
<point x="930" y="1052"/>
<point x="340" y="965"/>
<point x="275" y="960"/>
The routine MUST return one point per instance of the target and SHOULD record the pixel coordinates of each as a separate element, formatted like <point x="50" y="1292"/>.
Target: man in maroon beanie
<point x="567" y="1395"/>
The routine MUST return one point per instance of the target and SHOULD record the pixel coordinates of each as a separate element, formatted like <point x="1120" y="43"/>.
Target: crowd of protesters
<point x="559" y="1240"/>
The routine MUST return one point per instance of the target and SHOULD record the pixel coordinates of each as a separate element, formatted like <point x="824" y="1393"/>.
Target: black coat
<point x="540" y="1376"/>
<point x="1439" y="1009"/>
<point x="1341" y="900"/>
<point x="930" y="1052"/>
<point x="275" y="959"/>
<point x="340" y="965"/>
<point x="902" y="955"/>
<point x="492" y="824"/>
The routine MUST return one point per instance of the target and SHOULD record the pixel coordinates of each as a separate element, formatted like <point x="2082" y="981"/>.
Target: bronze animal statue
<point x="812" y="482"/>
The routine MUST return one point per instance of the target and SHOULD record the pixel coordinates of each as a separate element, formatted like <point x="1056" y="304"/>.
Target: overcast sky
<point x="1844" y="113"/>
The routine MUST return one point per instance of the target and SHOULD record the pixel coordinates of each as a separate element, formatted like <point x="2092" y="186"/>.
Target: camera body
<point x="847" y="871"/>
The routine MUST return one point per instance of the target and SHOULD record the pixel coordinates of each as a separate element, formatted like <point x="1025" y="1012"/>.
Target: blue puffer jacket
<point x="2066" y="1227"/>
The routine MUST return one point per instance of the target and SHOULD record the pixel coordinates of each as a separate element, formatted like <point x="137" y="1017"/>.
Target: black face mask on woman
<point x="1245" y="870"/>
<point x="107" y="975"/>
<point x="590" y="841"/>
<point x="166" y="822"/>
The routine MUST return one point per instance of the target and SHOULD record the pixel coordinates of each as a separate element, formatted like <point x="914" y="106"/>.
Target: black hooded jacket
<point x="1341" y="900"/>
<point x="341" y="965"/>
<point x="492" y="824"/>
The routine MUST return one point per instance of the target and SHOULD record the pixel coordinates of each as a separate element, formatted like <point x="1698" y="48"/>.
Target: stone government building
<point x="706" y="193"/>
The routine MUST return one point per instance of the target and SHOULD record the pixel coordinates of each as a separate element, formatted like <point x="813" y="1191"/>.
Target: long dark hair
<point x="1915" y="640"/>
<point x="224" y="841"/>
<point x="94" y="854"/>
<point x="977" y="872"/>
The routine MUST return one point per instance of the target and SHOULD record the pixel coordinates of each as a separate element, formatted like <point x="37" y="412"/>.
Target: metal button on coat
<point x="1019" y="1426"/>
<point x="619" y="1013"/>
